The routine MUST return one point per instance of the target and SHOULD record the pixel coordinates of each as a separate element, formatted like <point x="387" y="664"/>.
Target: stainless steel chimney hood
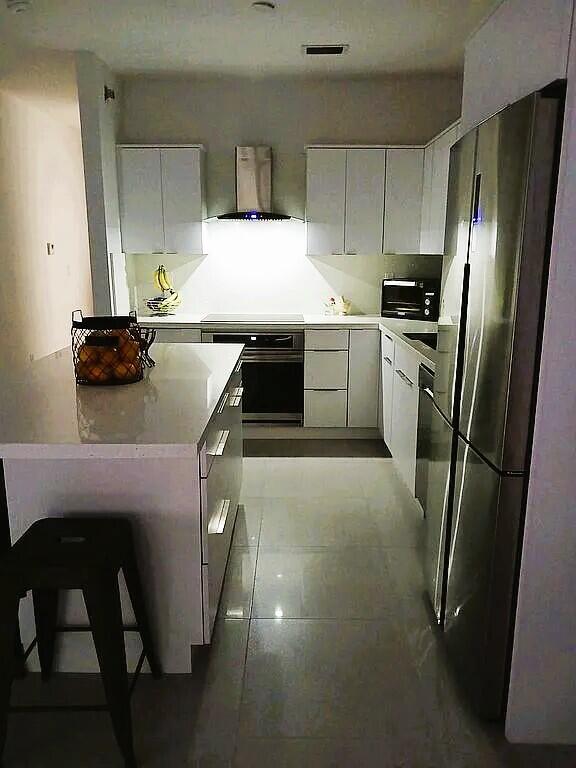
<point x="254" y="186"/>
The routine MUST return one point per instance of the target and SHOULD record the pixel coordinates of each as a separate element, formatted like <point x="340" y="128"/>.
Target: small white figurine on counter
<point x="338" y="306"/>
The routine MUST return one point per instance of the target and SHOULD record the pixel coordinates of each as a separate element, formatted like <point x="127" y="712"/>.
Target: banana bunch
<point x="169" y="300"/>
<point x="162" y="279"/>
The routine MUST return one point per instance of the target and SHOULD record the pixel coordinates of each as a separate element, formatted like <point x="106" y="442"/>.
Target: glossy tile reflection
<point x="325" y="653"/>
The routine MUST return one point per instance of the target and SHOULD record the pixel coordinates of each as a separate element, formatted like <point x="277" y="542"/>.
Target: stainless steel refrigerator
<point x="500" y="204"/>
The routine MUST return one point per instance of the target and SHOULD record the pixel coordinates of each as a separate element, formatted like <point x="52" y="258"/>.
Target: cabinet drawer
<point x="406" y="362"/>
<point x="387" y="346"/>
<point x="326" y="370"/>
<point x="178" y="335"/>
<point x="333" y="339"/>
<point x="325" y="408"/>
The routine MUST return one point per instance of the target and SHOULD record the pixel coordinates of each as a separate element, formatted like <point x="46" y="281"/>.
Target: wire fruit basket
<point x="110" y="350"/>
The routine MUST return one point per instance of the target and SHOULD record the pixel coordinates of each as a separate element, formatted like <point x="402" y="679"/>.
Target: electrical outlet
<point x="50" y="249"/>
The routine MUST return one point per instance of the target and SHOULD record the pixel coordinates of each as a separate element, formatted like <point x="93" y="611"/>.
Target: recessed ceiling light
<point x="264" y="5"/>
<point x="18" y="6"/>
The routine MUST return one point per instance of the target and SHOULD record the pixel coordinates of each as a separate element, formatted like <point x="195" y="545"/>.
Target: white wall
<point x="542" y="701"/>
<point x="520" y="48"/>
<point x="42" y="200"/>
<point x="286" y="114"/>
<point x="263" y="267"/>
<point x="99" y="124"/>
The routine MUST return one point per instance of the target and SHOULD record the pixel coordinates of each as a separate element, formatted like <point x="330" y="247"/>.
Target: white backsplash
<point x="263" y="267"/>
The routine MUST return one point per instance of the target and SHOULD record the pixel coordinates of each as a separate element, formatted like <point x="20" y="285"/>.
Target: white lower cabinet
<point x="363" y="379"/>
<point x="326" y="370"/>
<point x="387" y="384"/>
<point x="404" y="425"/>
<point x="325" y="408"/>
<point x="220" y="494"/>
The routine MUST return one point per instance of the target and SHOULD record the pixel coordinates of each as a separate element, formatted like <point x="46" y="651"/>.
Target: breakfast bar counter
<point x="165" y="452"/>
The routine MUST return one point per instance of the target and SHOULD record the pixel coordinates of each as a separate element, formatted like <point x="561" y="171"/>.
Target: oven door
<point x="273" y="388"/>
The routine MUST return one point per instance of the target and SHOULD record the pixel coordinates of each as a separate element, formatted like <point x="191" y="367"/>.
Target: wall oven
<point x="272" y="374"/>
<point x="410" y="299"/>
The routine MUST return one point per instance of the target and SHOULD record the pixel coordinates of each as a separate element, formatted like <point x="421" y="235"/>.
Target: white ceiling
<point x="229" y="37"/>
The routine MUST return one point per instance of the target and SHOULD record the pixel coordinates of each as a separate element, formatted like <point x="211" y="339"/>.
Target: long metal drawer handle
<point x="429" y="392"/>
<point x="236" y="398"/>
<point x="221" y="447"/>
<point x="389" y="338"/>
<point x="217" y="523"/>
<point x="223" y="402"/>
<point x="238" y="367"/>
<point x="387" y="360"/>
<point x="404" y="378"/>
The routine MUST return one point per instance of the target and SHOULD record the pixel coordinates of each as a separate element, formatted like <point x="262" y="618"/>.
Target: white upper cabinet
<point x="183" y="199"/>
<point x="325" y="201"/>
<point x="363" y="378"/>
<point x="365" y="185"/>
<point x="402" y="220"/>
<point x="519" y="49"/>
<point x="140" y="179"/>
<point x="435" y="190"/>
<point x="161" y="199"/>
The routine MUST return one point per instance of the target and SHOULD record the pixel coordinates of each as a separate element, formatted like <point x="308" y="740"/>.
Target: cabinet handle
<point x="404" y="378"/>
<point x="236" y="398"/>
<point x="429" y="392"/>
<point x="387" y="360"/>
<point x="326" y="390"/>
<point x="222" y="403"/>
<point x="389" y="338"/>
<point x="217" y="522"/>
<point x="221" y="444"/>
<point x="238" y="367"/>
<point x="351" y="253"/>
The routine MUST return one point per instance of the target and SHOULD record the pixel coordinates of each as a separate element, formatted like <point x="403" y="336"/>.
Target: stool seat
<point x="84" y="553"/>
<point x="77" y="543"/>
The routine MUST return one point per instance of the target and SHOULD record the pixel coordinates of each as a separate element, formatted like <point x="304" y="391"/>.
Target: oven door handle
<point x="249" y="356"/>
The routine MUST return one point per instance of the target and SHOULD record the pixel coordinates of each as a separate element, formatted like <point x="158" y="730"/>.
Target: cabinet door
<point x="425" y="234"/>
<point x="387" y="375"/>
<point x="405" y="426"/>
<point x="403" y="215"/>
<point x="365" y="179"/>
<point x="141" y="200"/>
<point x="363" y="378"/>
<point x="326" y="370"/>
<point x="325" y="408"/>
<point x="325" y="201"/>
<point x="439" y="188"/>
<point x="182" y="199"/>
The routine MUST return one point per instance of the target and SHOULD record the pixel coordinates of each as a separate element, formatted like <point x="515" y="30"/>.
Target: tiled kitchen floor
<point x="323" y="654"/>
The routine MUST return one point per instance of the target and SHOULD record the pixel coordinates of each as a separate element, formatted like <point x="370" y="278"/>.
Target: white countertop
<point x="44" y="414"/>
<point x="394" y="325"/>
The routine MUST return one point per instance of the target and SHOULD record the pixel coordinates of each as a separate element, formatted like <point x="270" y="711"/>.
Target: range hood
<point x="254" y="186"/>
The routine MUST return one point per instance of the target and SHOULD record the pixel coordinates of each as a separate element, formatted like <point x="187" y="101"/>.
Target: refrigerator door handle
<point x="476" y="213"/>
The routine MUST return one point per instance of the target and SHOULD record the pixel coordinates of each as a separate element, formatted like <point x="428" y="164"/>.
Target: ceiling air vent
<point x="325" y="50"/>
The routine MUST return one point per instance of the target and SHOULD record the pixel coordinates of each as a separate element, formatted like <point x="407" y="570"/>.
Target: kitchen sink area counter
<point x="165" y="453"/>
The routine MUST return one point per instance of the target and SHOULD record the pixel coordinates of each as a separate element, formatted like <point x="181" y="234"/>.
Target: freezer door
<point x="458" y="224"/>
<point x="438" y="498"/>
<point x="482" y="565"/>
<point x="514" y="188"/>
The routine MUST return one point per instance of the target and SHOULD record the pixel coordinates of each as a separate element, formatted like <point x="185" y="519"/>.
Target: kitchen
<point x="360" y="208"/>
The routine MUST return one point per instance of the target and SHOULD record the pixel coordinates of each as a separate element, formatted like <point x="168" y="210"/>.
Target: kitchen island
<point x="165" y="452"/>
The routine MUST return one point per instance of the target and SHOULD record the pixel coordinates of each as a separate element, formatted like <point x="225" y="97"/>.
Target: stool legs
<point x="134" y="585"/>
<point x="9" y="603"/>
<point x="102" y="599"/>
<point x="46" y="616"/>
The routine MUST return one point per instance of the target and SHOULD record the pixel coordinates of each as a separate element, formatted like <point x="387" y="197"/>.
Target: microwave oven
<point x="410" y="299"/>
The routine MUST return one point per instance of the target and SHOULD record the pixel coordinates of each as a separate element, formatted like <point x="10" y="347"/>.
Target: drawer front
<point x="326" y="370"/>
<point x="333" y="339"/>
<point x="325" y="408"/>
<point x="178" y="335"/>
<point x="406" y="362"/>
<point x="387" y="345"/>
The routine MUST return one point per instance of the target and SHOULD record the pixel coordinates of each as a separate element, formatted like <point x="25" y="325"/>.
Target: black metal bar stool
<point x="84" y="553"/>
